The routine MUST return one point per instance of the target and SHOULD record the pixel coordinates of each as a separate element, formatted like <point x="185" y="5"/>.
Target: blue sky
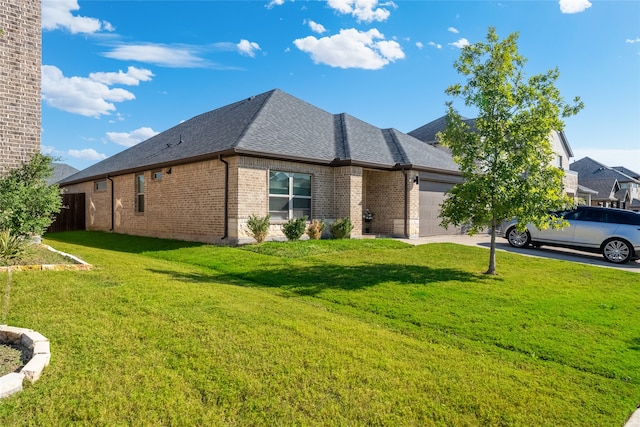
<point x="115" y="73"/>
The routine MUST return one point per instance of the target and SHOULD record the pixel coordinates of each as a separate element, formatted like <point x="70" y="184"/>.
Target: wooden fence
<point x="72" y="215"/>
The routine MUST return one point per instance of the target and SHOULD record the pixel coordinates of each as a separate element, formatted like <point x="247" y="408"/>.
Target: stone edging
<point x="34" y="344"/>
<point x="78" y="264"/>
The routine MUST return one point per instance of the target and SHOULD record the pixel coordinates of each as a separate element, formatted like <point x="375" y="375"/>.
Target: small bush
<point x="12" y="247"/>
<point x="341" y="229"/>
<point x="259" y="227"/>
<point x="294" y="228"/>
<point x="315" y="229"/>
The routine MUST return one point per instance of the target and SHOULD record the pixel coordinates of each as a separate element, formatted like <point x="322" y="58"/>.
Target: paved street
<point x="484" y="240"/>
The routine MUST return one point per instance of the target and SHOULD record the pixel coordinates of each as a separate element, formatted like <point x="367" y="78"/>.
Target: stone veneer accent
<point x="20" y="70"/>
<point x="39" y="351"/>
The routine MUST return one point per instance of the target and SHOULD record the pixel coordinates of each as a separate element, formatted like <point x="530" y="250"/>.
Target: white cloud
<point x="273" y="3"/>
<point x="245" y="47"/>
<point x="174" y="56"/>
<point x="80" y="95"/>
<point x="574" y="6"/>
<point x="419" y="45"/>
<point x="129" y="139"/>
<point x="637" y="40"/>
<point x="87" y="154"/>
<point x="317" y="28"/>
<point x="362" y="10"/>
<point x="352" y="49"/>
<point x="132" y="77"/>
<point x="453" y="30"/>
<point x="460" y="43"/>
<point x="57" y="14"/>
<point x="48" y="149"/>
<point x="436" y="45"/>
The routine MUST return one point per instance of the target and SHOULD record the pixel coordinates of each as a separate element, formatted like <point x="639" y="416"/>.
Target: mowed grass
<point x="369" y="332"/>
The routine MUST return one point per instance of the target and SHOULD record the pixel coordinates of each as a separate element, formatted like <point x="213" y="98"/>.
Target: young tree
<point x="27" y="203"/>
<point x="506" y="158"/>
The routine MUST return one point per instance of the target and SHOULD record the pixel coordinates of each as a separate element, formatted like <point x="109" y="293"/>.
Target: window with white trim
<point x="289" y="195"/>
<point x="140" y="193"/>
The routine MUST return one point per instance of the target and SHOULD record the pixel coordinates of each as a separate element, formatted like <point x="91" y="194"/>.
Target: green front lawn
<point x="369" y="332"/>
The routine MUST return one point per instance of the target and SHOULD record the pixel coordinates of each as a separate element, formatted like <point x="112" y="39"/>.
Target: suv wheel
<point x="518" y="239"/>
<point x="617" y="251"/>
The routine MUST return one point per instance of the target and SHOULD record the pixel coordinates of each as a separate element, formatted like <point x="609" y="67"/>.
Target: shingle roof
<point x="60" y="171"/>
<point x="588" y="168"/>
<point x="628" y="172"/>
<point x="277" y="125"/>
<point x="428" y="132"/>
<point x="585" y="189"/>
<point x="605" y="187"/>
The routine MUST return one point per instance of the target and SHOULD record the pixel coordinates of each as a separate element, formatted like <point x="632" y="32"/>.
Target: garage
<point x="432" y="194"/>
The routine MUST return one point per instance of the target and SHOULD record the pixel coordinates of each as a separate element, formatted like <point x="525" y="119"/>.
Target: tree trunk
<point x="492" y="250"/>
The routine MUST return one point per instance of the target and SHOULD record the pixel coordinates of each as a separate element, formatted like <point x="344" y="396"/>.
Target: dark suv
<point x="613" y="232"/>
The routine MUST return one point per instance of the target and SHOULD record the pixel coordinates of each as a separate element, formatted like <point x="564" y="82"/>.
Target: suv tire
<point x="617" y="251"/>
<point x="518" y="239"/>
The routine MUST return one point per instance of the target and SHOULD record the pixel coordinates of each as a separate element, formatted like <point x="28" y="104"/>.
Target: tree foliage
<point x="506" y="156"/>
<point x="28" y="204"/>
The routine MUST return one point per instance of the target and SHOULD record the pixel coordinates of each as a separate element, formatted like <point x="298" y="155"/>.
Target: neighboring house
<point x="21" y="59"/>
<point x="616" y="187"/>
<point x="269" y="154"/>
<point x="559" y="144"/>
<point x="633" y="185"/>
<point x="60" y="171"/>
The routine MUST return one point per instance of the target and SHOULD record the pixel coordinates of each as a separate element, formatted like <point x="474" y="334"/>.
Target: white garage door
<point x="431" y="197"/>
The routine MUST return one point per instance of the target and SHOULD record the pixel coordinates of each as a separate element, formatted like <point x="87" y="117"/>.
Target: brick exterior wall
<point x="188" y="203"/>
<point x="384" y="194"/>
<point x="20" y="68"/>
<point x="185" y="204"/>
<point x="348" y="196"/>
<point x="336" y="193"/>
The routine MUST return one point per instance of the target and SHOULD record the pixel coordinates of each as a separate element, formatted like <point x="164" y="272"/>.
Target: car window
<point x="594" y="215"/>
<point x="573" y="215"/>
<point x="626" y="218"/>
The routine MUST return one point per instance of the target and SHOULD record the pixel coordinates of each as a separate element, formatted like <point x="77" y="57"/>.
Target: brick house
<point x="20" y="56"/>
<point x="271" y="153"/>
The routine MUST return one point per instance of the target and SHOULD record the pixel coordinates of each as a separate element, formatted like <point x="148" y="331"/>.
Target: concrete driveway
<point x="484" y="240"/>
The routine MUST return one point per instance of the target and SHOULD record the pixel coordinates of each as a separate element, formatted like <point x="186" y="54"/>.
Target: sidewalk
<point x="480" y="239"/>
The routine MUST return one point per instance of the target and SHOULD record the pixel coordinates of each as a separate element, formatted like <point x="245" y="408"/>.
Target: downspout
<point x="406" y="204"/>
<point x="113" y="209"/>
<point x="226" y="197"/>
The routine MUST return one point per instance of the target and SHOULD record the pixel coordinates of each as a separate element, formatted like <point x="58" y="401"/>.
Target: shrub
<point x="294" y="228"/>
<point x="12" y="247"/>
<point x="28" y="204"/>
<point x="315" y="229"/>
<point x="259" y="227"/>
<point x="341" y="229"/>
